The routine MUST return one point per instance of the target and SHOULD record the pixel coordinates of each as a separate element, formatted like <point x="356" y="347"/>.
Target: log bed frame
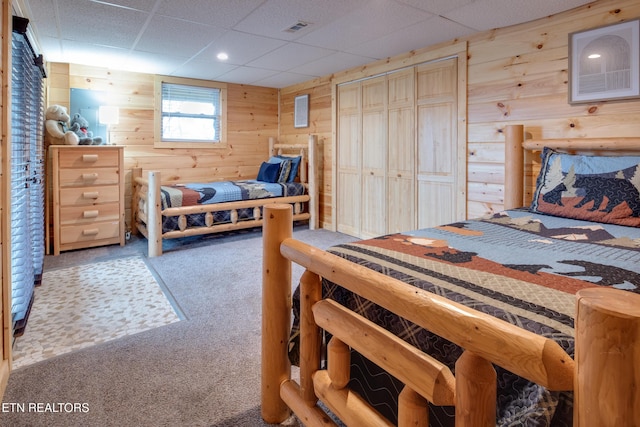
<point x="147" y="212"/>
<point x="604" y="375"/>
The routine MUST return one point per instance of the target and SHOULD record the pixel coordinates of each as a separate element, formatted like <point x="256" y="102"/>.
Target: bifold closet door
<point x="374" y="157"/>
<point x="348" y="212"/>
<point x="401" y="152"/>
<point x="436" y="84"/>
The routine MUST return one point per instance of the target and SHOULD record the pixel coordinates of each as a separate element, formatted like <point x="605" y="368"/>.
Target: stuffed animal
<point x="80" y="126"/>
<point x="56" y="127"/>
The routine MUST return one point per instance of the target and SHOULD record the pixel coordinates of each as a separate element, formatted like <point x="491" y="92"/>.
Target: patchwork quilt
<point x="219" y="192"/>
<point x="518" y="266"/>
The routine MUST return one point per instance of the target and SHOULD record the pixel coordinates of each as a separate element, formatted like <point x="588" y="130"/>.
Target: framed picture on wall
<point x="604" y="63"/>
<point x="301" y="111"/>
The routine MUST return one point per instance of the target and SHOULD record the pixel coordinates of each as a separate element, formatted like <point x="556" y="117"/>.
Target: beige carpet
<point x="81" y="306"/>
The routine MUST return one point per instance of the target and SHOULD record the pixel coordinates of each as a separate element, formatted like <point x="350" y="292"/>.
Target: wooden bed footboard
<point x="604" y="376"/>
<point x="147" y="212"/>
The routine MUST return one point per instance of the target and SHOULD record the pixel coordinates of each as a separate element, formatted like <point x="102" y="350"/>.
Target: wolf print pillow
<point x="591" y="188"/>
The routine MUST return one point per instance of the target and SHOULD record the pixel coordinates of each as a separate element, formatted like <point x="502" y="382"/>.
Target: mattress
<point x="220" y="192"/>
<point x="521" y="267"/>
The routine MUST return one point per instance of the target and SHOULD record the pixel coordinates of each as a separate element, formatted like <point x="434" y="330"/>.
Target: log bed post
<point x="513" y="166"/>
<point x="314" y="189"/>
<point x="607" y="380"/>
<point x="154" y="215"/>
<point x="276" y="311"/>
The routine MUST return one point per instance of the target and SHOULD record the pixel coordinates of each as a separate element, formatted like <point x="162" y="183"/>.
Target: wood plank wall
<point x="516" y="74"/>
<point x="252" y="118"/>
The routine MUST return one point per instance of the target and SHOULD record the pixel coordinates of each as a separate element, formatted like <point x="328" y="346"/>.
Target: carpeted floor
<point x="203" y="370"/>
<point x="81" y="306"/>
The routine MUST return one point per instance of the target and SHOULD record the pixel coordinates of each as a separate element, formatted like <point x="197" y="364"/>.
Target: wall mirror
<point x="87" y="102"/>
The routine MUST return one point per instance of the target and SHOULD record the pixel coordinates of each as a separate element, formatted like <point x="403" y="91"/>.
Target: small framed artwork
<point x="301" y="111"/>
<point x="604" y="63"/>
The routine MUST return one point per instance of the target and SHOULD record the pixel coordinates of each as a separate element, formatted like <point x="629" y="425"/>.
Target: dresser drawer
<point x="89" y="232"/>
<point x="88" y="177"/>
<point x="88" y="158"/>
<point x="89" y="214"/>
<point x="92" y="195"/>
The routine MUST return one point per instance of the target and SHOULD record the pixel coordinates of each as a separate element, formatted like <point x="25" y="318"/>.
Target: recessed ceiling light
<point x="594" y="56"/>
<point x="222" y="56"/>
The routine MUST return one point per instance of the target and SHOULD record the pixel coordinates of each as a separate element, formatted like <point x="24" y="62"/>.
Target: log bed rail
<point x="147" y="212"/>
<point x="604" y="375"/>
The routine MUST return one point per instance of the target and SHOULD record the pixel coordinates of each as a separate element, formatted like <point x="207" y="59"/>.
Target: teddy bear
<point x="57" y="131"/>
<point x="79" y="125"/>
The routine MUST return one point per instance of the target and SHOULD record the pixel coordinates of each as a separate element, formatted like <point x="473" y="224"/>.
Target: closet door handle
<point x="90" y="214"/>
<point x="89" y="158"/>
<point x="90" y="232"/>
<point x="90" y="195"/>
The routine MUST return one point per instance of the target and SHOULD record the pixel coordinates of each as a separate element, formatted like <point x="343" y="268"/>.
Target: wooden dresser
<point x="88" y="196"/>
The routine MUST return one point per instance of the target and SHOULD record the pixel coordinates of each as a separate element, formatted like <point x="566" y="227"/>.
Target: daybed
<point x="166" y="210"/>
<point x="428" y="304"/>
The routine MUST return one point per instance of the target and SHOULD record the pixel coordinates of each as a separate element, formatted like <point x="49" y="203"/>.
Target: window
<point x="190" y="113"/>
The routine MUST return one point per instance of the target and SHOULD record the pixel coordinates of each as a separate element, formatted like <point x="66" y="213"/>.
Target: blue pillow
<point x="268" y="172"/>
<point x="295" y="164"/>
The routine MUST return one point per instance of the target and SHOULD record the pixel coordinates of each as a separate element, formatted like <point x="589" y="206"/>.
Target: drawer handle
<point x="90" y="232"/>
<point x="90" y="194"/>
<point x="89" y="157"/>
<point x="90" y="214"/>
<point x="89" y="176"/>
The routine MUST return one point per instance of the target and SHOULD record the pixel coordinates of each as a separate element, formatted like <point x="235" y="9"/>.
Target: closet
<point x="27" y="174"/>
<point x="398" y="154"/>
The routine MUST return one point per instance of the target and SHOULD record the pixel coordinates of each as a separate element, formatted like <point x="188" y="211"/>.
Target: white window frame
<point x="160" y="143"/>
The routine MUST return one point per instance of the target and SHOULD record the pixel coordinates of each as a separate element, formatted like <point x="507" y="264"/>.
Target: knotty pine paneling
<point x="252" y="114"/>
<point x="516" y="74"/>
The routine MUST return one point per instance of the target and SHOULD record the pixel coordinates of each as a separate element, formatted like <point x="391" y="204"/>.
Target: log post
<point x="310" y="335"/>
<point x="413" y="409"/>
<point x="339" y="363"/>
<point x="154" y="215"/>
<point x="276" y="311"/>
<point x="476" y="391"/>
<point x="314" y="185"/>
<point x="607" y="380"/>
<point x="135" y="205"/>
<point x="513" y="167"/>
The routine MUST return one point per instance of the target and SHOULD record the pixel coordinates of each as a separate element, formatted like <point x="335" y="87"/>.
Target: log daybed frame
<point x="147" y="209"/>
<point x="604" y="375"/>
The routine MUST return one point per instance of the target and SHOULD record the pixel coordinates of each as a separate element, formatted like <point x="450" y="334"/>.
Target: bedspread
<point x="220" y="192"/>
<point x="517" y="266"/>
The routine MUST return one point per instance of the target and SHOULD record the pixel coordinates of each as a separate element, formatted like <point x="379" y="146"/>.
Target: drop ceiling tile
<point x="413" y="37"/>
<point x="219" y="13"/>
<point x="437" y="7"/>
<point x="142" y="5"/>
<point x="281" y="80"/>
<point x="372" y="21"/>
<point x="274" y="16"/>
<point x="75" y="52"/>
<point x="332" y="63"/>
<point x="176" y="37"/>
<point x="117" y="26"/>
<point x="247" y="75"/>
<point x="481" y="15"/>
<point x="206" y="70"/>
<point x="289" y="56"/>
<point x="242" y="48"/>
<point x="153" y="63"/>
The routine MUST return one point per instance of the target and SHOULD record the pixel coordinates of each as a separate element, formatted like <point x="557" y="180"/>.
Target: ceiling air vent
<point x="296" y="27"/>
